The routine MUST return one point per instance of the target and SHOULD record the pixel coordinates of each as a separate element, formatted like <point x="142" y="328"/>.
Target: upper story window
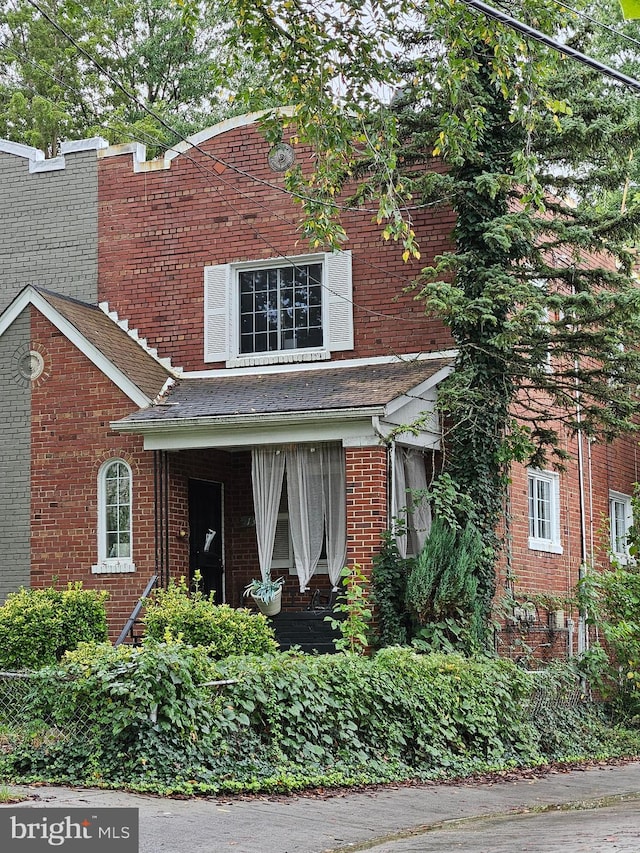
<point x="620" y="520"/>
<point x="278" y="310"/>
<point x="544" y="511"/>
<point x="114" y="518"/>
<point x="281" y="308"/>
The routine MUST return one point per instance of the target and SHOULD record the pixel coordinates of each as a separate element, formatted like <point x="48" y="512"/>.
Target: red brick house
<point x="262" y="442"/>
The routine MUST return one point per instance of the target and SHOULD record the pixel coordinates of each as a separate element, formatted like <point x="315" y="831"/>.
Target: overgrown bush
<point x="37" y="626"/>
<point x="612" y="601"/>
<point x="442" y="590"/>
<point x="195" y="618"/>
<point x="151" y="719"/>
<point x="388" y="593"/>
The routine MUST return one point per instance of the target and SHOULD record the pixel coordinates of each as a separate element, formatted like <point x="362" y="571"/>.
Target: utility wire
<point x="130" y="96"/>
<point x="210" y="175"/>
<point x="541" y="37"/>
<point x="611" y="30"/>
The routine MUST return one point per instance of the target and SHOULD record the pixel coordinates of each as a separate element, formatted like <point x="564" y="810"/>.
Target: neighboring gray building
<point x="49" y="221"/>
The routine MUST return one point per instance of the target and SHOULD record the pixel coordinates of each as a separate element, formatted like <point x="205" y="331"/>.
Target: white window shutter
<point x="340" y="298"/>
<point x="217" y="310"/>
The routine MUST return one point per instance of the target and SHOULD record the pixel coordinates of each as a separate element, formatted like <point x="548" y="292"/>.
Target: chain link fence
<point x="24" y="708"/>
<point x="23" y="702"/>
<point x="549" y="694"/>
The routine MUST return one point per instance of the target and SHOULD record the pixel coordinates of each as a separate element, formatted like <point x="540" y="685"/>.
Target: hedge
<point x="152" y="720"/>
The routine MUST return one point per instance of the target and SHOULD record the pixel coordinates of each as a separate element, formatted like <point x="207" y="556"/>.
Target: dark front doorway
<point x="205" y="536"/>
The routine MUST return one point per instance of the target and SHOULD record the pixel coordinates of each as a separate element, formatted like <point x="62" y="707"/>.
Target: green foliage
<point x="388" y="592"/>
<point x="611" y="600"/>
<point x="37" y="626"/>
<point x="442" y="590"/>
<point x="142" y="710"/>
<point x="151" y="56"/>
<point x="353" y="613"/>
<point x="195" y="619"/>
<point x="565" y="721"/>
<point x="151" y="719"/>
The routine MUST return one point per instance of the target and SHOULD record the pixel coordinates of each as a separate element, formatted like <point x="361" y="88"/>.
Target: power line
<point x="475" y="4"/>
<point x="599" y="24"/>
<point x="209" y="176"/>
<point x="130" y="96"/>
<point x="541" y="37"/>
<point x="233" y="188"/>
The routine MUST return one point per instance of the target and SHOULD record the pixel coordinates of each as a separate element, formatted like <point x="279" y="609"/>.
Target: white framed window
<point x="544" y="511"/>
<point x="620" y="520"/>
<point x="283" y="559"/>
<point x="115" y="518"/>
<point x="278" y="310"/>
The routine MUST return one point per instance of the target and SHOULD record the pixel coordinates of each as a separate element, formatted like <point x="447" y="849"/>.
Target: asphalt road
<point x="609" y="829"/>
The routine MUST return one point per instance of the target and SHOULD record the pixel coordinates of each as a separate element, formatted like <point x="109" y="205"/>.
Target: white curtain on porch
<point x="306" y="516"/>
<point x="399" y="499"/>
<point x="419" y="508"/>
<point x="409" y="507"/>
<point x="335" y="509"/>
<point x="267" y="469"/>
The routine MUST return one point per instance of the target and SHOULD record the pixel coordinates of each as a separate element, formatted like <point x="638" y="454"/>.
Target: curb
<point x="453" y="823"/>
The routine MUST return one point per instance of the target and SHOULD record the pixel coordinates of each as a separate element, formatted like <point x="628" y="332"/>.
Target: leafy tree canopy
<point x="70" y="70"/>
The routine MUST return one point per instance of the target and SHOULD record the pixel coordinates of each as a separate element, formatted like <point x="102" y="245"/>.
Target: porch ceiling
<point x="240" y="410"/>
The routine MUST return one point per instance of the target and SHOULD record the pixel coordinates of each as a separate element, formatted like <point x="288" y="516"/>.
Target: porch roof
<point x="261" y="400"/>
<point x="365" y="386"/>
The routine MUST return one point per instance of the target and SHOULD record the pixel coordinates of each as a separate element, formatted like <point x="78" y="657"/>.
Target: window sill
<point x="321" y="569"/>
<point x="545" y="545"/>
<point x="285" y="357"/>
<point x="622" y="559"/>
<point x="113" y="567"/>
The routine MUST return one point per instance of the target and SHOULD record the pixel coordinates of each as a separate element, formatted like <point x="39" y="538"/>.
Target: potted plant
<point x="267" y="594"/>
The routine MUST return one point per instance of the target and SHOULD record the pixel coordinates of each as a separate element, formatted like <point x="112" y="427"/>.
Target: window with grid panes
<point x="280" y="308"/>
<point x="544" y="511"/>
<point x="115" y="518"/>
<point x="620" y="520"/>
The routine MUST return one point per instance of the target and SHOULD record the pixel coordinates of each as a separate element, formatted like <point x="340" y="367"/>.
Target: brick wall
<point x="366" y="471"/>
<point x="530" y="573"/>
<point x="49" y="227"/>
<point x="159" y="229"/>
<point x="70" y="440"/>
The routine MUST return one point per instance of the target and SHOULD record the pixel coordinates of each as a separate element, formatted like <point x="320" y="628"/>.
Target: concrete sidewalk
<point x="299" y="824"/>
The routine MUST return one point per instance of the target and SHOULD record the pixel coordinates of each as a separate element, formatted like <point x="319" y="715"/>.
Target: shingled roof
<point x="120" y="354"/>
<point x="331" y="389"/>
<point x="118" y="347"/>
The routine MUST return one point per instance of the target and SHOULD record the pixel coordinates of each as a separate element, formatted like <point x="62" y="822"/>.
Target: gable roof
<point x="134" y="369"/>
<point x="238" y="409"/>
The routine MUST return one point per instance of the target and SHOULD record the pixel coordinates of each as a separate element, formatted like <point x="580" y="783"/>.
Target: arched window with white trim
<point x="115" y="518"/>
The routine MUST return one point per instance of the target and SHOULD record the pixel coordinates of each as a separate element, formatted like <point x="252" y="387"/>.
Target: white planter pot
<point x="273" y="607"/>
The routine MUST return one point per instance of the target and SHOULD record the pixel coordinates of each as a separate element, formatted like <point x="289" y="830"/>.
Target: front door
<point x="205" y="536"/>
